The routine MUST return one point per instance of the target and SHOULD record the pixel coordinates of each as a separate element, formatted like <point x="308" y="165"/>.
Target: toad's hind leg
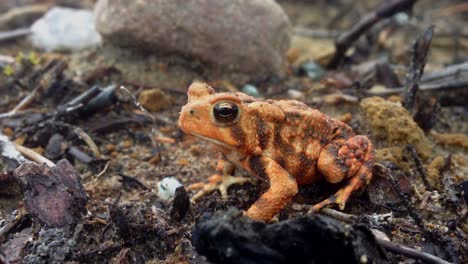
<point x="341" y="159"/>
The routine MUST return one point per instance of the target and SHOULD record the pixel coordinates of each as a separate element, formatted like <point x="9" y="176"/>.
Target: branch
<point x="418" y="62"/>
<point x="345" y="40"/>
<point x="410" y="252"/>
<point x="419" y="166"/>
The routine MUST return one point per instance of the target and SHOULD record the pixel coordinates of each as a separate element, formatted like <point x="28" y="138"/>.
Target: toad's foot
<point x="216" y="182"/>
<point x="339" y="198"/>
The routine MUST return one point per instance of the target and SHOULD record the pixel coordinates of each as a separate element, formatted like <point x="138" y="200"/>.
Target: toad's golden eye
<point x="225" y="112"/>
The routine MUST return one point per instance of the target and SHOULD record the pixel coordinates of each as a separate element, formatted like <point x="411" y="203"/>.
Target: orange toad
<point x="285" y="142"/>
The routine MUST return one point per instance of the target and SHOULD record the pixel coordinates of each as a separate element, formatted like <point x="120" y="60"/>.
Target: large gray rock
<point x="240" y="35"/>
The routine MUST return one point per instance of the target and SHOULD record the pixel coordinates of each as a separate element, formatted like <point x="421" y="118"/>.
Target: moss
<point x="460" y="140"/>
<point x="393" y="124"/>
<point x="393" y="155"/>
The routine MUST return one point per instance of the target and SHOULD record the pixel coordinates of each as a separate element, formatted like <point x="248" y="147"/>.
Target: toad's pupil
<point x="225" y="112"/>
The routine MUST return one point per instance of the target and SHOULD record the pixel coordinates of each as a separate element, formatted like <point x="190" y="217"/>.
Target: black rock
<point x="229" y="237"/>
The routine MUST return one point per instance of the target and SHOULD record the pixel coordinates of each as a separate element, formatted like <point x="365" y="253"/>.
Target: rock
<point x="251" y="90"/>
<point x="65" y="29"/>
<point x="53" y="196"/>
<point x="392" y="123"/>
<point x="305" y="49"/>
<point x="8" y="153"/>
<point x="238" y="35"/>
<point x="50" y="246"/>
<point x="181" y="203"/>
<point x="229" y="237"/>
<point x="154" y="100"/>
<point x="312" y="70"/>
<point x="12" y="249"/>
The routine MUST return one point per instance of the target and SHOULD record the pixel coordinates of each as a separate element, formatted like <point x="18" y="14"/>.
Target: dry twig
<point x="13" y="34"/>
<point x="410" y="252"/>
<point x="345" y="40"/>
<point x="419" y="167"/>
<point x="418" y="62"/>
<point x="89" y="141"/>
<point x="34" y="156"/>
<point x="388" y="245"/>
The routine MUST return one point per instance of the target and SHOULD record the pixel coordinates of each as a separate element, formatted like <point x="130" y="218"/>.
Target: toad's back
<point x="295" y="143"/>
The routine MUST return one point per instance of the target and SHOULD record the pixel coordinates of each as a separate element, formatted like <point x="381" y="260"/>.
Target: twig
<point x="55" y="65"/>
<point x="418" y="62"/>
<point x="28" y="13"/>
<point x="10" y="150"/>
<point x="78" y="102"/>
<point x="89" y="141"/>
<point x="409" y="208"/>
<point x="451" y="10"/>
<point x="14" y="34"/>
<point x="79" y="154"/>
<point x="137" y="104"/>
<point x="348" y="218"/>
<point x="103" y="171"/>
<point x="435" y="87"/>
<point x="449" y="184"/>
<point x="10" y="225"/>
<point x="419" y="167"/>
<point x="132" y="180"/>
<point x="34" y="156"/>
<point x="22" y="104"/>
<point x="449" y="71"/>
<point x="410" y="252"/>
<point x="5" y="59"/>
<point x="345" y="40"/>
<point x="388" y="245"/>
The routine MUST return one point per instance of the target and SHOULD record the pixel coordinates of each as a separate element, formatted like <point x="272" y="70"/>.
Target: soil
<point x="126" y="221"/>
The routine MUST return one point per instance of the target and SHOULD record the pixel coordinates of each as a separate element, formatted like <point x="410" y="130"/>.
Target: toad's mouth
<point x="212" y="140"/>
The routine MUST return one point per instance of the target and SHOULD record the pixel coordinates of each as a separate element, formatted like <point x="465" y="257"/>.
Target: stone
<point x="154" y="100"/>
<point x="236" y="35"/>
<point x="65" y="29"/>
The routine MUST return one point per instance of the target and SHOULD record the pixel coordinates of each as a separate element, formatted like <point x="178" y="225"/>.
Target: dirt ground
<point x="126" y="222"/>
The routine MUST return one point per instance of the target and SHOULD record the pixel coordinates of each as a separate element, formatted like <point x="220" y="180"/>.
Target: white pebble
<point x="65" y="29"/>
<point x="167" y="188"/>
<point x="295" y="94"/>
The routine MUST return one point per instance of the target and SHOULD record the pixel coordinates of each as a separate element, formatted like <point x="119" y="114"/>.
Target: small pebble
<point x="295" y="94"/>
<point x="154" y="100"/>
<point x="402" y="18"/>
<point x="127" y="143"/>
<point x="183" y="162"/>
<point x="312" y="70"/>
<point x="8" y="132"/>
<point x="109" y="148"/>
<point x="155" y="160"/>
<point x="250" y="90"/>
<point x="167" y="188"/>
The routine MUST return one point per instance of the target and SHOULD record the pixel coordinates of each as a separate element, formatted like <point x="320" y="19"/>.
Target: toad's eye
<point x="225" y="112"/>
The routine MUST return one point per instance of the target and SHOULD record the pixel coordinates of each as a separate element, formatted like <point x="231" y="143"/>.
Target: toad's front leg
<point x="282" y="189"/>
<point x="221" y="180"/>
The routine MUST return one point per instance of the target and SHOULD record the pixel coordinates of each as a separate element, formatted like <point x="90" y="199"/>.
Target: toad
<point x="285" y="142"/>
